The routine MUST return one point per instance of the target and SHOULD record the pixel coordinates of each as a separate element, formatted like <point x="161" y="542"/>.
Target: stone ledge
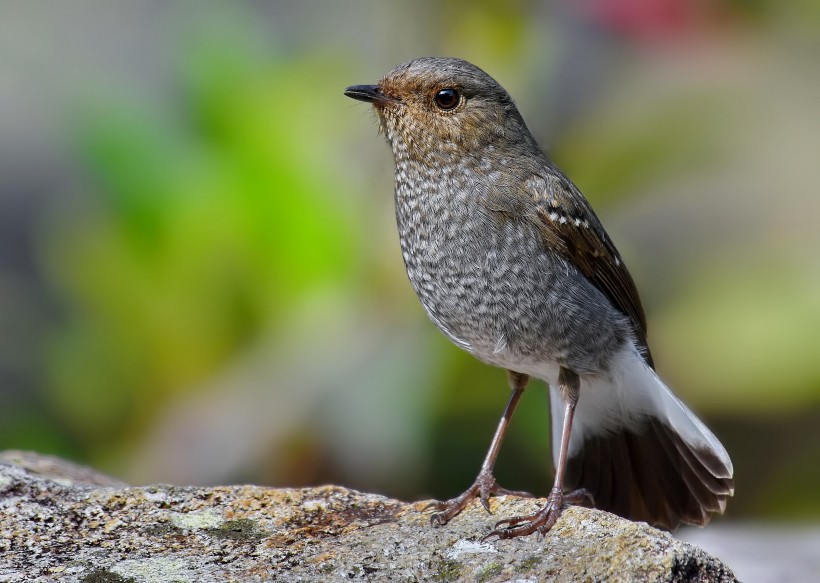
<point x="62" y="522"/>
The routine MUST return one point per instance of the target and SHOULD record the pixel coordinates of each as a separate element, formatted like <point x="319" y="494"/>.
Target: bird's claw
<point x="483" y="487"/>
<point x="542" y="520"/>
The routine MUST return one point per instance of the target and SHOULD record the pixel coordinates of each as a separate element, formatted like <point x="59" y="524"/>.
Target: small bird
<point x="512" y="265"/>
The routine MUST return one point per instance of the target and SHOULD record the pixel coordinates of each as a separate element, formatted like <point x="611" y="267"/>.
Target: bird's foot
<point x="542" y="520"/>
<point x="483" y="487"/>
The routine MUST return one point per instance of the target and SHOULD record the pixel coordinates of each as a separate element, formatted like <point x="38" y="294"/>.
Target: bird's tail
<point x="640" y="451"/>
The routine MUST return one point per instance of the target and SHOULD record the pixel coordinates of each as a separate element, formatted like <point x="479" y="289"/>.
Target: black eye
<point x="447" y="98"/>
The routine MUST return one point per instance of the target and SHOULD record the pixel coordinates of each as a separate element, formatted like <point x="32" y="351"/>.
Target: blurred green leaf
<point x="212" y="221"/>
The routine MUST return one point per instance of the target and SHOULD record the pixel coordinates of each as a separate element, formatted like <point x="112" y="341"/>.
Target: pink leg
<point x="545" y="518"/>
<point x="485" y="484"/>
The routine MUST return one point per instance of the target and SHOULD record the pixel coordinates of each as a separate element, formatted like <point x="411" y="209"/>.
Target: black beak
<point x="368" y="93"/>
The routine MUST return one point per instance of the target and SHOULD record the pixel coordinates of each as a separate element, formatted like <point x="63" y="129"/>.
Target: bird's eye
<point x="447" y="99"/>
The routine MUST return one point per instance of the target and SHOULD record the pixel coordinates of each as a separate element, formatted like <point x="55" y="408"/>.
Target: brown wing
<point x="570" y="227"/>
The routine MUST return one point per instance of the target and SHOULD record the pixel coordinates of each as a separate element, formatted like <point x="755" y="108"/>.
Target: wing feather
<point x="571" y="228"/>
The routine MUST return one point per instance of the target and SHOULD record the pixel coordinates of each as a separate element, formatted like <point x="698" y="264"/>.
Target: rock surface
<point x="61" y="522"/>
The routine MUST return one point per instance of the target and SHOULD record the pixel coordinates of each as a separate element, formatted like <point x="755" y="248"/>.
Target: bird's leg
<point x="485" y="484"/>
<point x="545" y="518"/>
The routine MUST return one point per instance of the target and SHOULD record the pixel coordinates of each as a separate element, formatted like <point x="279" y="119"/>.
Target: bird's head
<point x="430" y="104"/>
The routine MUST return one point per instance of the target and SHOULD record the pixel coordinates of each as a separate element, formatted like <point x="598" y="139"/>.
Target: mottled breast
<point x="487" y="280"/>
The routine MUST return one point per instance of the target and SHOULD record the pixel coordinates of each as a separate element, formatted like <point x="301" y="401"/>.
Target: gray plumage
<point x="511" y="263"/>
<point x="475" y="257"/>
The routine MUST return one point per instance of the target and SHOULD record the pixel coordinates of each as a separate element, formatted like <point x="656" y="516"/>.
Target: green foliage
<point x="754" y="337"/>
<point x="209" y="222"/>
<point x="615" y="154"/>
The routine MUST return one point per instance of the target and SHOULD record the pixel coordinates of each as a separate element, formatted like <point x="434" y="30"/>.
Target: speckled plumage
<point x="511" y="263"/>
<point x="489" y="282"/>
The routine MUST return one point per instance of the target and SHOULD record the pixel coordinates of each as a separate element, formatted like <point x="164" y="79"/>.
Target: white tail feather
<point x="621" y="398"/>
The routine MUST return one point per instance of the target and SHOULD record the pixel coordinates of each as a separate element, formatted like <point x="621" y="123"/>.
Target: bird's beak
<point x="369" y="93"/>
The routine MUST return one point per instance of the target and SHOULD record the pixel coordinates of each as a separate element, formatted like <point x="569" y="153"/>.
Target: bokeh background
<point x="200" y="279"/>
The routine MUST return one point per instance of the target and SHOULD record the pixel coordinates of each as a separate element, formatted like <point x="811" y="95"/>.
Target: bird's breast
<point x="489" y="283"/>
<point x="472" y="273"/>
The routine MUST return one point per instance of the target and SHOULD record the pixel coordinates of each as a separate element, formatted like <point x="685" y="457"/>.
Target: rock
<point x="61" y="522"/>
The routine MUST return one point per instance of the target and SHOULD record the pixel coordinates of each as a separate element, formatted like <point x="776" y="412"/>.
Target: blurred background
<point x="200" y="279"/>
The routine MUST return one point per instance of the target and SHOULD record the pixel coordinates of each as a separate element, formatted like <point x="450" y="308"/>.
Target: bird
<point x="511" y="263"/>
